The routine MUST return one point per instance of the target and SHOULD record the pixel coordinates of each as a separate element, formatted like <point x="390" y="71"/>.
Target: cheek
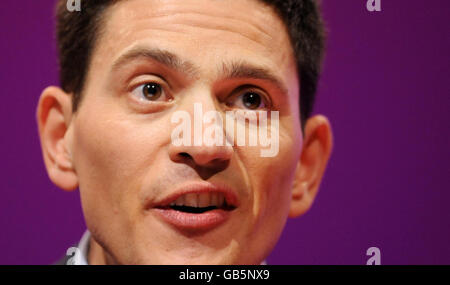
<point x="113" y="152"/>
<point x="272" y="178"/>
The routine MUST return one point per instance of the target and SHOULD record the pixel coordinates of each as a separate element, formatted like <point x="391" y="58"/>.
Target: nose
<point x="206" y="158"/>
<point x="210" y="157"/>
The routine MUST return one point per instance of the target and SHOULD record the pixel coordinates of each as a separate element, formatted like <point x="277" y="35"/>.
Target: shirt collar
<point x="80" y="257"/>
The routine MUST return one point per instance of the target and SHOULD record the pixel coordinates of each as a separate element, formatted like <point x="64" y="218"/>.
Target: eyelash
<point x="246" y="89"/>
<point x="236" y="94"/>
<point x="138" y="92"/>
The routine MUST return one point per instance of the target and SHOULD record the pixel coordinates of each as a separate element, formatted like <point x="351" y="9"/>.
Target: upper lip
<point x="199" y="187"/>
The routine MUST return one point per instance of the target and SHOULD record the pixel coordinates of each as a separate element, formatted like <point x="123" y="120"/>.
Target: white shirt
<point x="80" y="256"/>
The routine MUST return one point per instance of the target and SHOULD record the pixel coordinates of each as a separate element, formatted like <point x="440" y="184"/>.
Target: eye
<point x="150" y="92"/>
<point x="249" y="100"/>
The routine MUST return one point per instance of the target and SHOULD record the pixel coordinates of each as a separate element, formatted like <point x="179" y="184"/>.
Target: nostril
<point x="184" y="154"/>
<point x="201" y="162"/>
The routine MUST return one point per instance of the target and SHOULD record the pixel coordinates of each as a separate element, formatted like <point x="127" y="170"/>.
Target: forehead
<point x="206" y="32"/>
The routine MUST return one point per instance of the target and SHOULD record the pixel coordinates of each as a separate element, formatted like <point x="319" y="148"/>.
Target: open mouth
<point x="197" y="206"/>
<point x="198" y="203"/>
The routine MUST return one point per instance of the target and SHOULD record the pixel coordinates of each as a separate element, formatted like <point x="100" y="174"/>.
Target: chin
<point x="189" y="258"/>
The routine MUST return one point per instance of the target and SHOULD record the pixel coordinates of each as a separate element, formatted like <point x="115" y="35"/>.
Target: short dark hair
<point x="77" y="34"/>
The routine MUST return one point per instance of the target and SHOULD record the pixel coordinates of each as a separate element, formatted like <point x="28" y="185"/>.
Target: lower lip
<point x="188" y="221"/>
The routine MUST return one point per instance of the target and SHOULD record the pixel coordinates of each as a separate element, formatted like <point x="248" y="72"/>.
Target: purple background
<point x="385" y="88"/>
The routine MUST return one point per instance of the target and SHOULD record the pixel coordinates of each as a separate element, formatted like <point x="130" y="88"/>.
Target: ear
<point x="54" y="115"/>
<point x="316" y="151"/>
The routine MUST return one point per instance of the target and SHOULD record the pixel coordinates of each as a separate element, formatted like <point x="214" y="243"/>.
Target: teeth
<point x="180" y="201"/>
<point x="214" y="199"/>
<point x="220" y="200"/>
<point x="201" y="200"/>
<point x="191" y="200"/>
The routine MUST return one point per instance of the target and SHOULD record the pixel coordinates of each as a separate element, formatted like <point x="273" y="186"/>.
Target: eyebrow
<point x="230" y="70"/>
<point x="163" y="57"/>
<point x="244" y="69"/>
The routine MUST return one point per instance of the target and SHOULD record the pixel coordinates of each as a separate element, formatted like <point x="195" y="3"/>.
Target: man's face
<point x="180" y="53"/>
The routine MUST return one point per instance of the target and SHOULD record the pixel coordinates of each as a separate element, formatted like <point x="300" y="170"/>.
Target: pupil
<point x="152" y="91"/>
<point x="252" y="100"/>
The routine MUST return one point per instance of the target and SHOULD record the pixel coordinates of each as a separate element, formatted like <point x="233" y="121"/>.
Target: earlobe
<point x="300" y="200"/>
<point x="54" y="115"/>
<point x="316" y="151"/>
